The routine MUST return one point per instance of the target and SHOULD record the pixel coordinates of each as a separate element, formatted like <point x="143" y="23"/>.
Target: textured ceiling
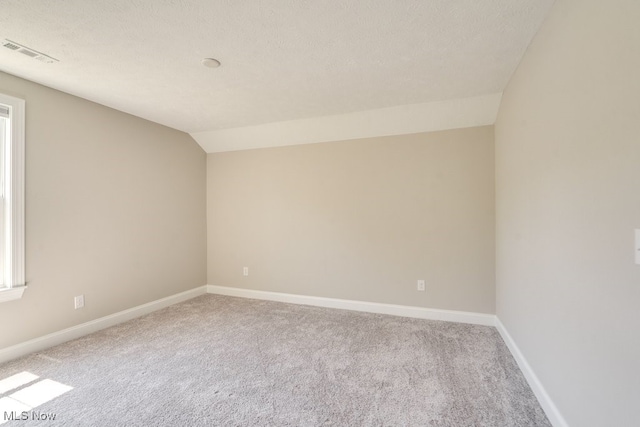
<point x="281" y="59"/>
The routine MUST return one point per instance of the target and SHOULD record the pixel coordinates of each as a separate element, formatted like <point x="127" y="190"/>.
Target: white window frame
<point x="12" y="191"/>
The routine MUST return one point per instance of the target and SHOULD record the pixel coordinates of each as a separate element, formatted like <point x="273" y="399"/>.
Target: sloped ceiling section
<point x="282" y="60"/>
<point x="400" y="120"/>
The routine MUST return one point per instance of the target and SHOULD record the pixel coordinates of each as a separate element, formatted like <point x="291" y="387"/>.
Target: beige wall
<point x="568" y="200"/>
<point x="361" y="219"/>
<point x="115" y="210"/>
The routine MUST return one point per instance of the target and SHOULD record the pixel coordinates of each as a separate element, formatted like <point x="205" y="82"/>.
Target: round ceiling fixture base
<point x="210" y="62"/>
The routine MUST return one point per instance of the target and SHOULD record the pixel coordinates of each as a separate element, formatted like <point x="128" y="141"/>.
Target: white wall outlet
<point x="78" y="302"/>
<point x="421" y="285"/>
<point x="245" y="271"/>
<point x="637" y="246"/>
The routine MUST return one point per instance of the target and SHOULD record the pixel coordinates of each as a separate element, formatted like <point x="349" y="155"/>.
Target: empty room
<point x="320" y="213"/>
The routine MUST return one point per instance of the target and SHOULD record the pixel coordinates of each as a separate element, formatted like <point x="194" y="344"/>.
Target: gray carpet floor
<point x="217" y="360"/>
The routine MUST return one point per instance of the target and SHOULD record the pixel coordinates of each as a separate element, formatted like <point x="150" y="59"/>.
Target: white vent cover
<point x="28" y="51"/>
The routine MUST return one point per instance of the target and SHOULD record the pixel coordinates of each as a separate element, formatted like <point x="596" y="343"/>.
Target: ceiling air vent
<point x="10" y="45"/>
<point x="17" y="47"/>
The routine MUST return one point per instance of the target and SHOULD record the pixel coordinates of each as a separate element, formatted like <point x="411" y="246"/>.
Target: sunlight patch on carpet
<point x="17" y="405"/>
<point x="17" y="380"/>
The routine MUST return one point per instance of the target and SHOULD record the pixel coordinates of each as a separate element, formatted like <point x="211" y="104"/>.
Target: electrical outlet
<point x="421" y="285"/>
<point x="78" y="302"/>
<point x="245" y="271"/>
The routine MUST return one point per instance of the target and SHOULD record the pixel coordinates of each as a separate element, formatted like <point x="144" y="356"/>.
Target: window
<point x="12" y="281"/>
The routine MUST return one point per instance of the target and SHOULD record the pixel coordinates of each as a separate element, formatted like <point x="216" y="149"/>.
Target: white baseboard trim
<point x="369" y="307"/>
<point x="50" y="340"/>
<point x="550" y="409"/>
<point x="46" y="341"/>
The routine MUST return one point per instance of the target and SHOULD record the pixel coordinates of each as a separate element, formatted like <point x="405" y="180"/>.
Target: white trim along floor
<point x="40" y="343"/>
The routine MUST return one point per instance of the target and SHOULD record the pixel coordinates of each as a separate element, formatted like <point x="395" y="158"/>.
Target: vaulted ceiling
<point x="281" y="59"/>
